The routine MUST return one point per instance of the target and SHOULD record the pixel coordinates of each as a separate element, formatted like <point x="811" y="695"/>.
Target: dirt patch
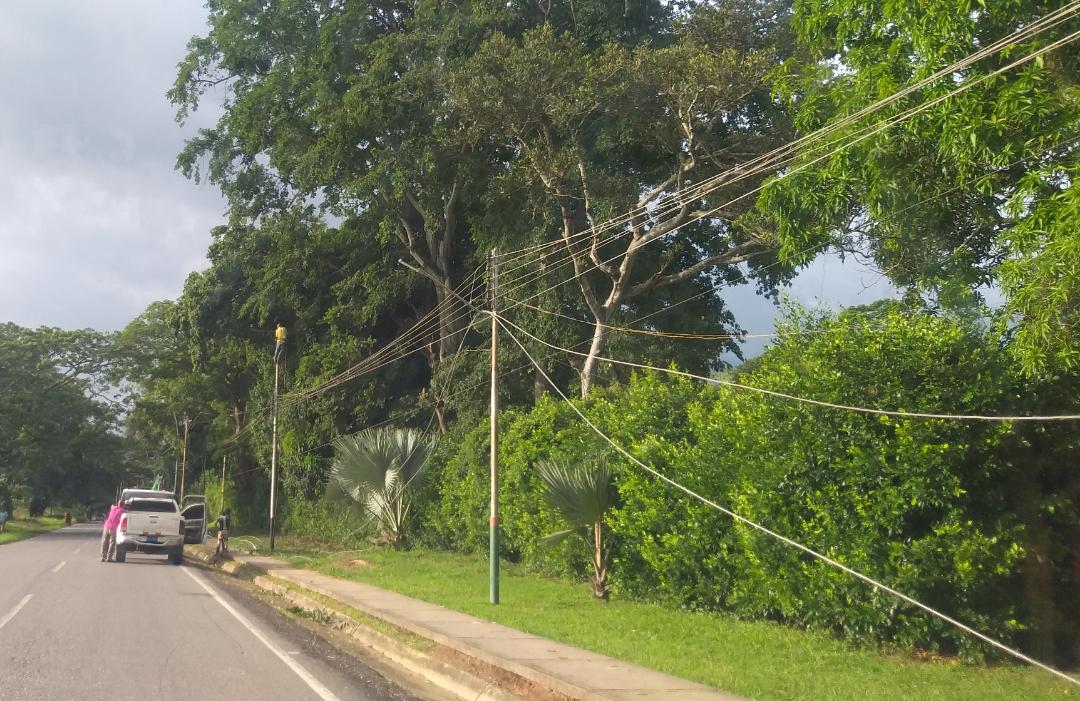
<point x="352" y="564"/>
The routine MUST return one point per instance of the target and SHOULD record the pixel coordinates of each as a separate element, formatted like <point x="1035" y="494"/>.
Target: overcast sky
<point x="95" y="223"/>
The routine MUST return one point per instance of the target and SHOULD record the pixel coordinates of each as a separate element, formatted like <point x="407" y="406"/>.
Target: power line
<point x="727" y="283"/>
<point x="1060" y="16"/>
<point x="776" y="157"/>
<point x="804" y="400"/>
<point x="387" y="354"/>
<point x="788" y="541"/>
<point x="380" y="358"/>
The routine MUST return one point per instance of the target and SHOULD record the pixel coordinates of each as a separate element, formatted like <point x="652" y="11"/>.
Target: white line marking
<point x="57" y="568"/>
<point x="308" y="678"/>
<point x="77" y="550"/>
<point x="11" y="614"/>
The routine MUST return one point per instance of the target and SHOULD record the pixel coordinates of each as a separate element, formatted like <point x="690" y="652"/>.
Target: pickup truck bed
<point x="152" y="526"/>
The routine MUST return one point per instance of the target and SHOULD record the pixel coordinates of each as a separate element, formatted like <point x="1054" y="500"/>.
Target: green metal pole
<point x="494" y="572"/>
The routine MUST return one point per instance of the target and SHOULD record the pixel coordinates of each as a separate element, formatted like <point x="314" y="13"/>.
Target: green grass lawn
<point x="758" y="660"/>
<point x="23" y="528"/>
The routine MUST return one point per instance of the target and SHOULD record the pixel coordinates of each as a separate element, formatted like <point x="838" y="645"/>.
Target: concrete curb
<point x="447" y="677"/>
<point x="503" y="660"/>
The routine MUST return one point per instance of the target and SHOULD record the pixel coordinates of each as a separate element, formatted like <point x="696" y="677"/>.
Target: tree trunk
<point x="1037" y="570"/>
<point x="540" y="384"/>
<point x="440" y="414"/>
<point x="600" y="585"/>
<point x="453" y="318"/>
<point x="588" y="368"/>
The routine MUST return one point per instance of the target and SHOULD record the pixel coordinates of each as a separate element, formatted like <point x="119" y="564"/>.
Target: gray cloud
<point x="94" y="222"/>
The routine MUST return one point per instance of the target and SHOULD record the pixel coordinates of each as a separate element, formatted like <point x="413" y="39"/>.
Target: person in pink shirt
<point x="108" y="533"/>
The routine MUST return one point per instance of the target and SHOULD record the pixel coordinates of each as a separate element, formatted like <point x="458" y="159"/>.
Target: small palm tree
<point x="582" y="495"/>
<point x="375" y="468"/>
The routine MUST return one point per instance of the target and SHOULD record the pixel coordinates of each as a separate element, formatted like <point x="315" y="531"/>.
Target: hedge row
<point x="952" y="512"/>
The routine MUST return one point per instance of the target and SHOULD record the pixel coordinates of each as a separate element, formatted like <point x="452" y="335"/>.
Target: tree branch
<point x="594" y="256"/>
<point x="739" y="254"/>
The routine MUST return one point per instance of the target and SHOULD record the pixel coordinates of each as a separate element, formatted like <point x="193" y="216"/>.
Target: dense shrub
<point x="915" y="503"/>
<point x="977" y="519"/>
<point x="327" y="521"/>
<point x="460" y="517"/>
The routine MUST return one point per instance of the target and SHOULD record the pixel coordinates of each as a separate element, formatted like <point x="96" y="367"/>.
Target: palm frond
<point x="374" y="468"/>
<point x="581" y="494"/>
<point x="553" y="539"/>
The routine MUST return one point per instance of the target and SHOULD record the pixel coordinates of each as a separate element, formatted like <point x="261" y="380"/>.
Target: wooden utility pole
<point x="274" y="456"/>
<point x="494" y="573"/>
<point x="183" y="458"/>
<point x="221" y="502"/>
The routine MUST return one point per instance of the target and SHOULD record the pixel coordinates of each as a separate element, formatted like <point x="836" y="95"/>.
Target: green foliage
<point x="459" y="517"/>
<point x="911" y="502"/>
<point x="328" y="521"/>
<point x="582" y="495"/>
<point x="953" y="513"/>
<point x="977" y="190"/>
<point x="376" y="469"/>
<point x="59" y="418"/>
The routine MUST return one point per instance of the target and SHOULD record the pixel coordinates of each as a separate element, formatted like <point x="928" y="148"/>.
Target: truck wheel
<point x="121" y="554"/>
<point x="177" y="556"/>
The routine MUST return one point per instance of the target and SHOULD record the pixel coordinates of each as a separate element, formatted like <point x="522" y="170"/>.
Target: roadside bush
<point x="462" y="477"/>
<point x="327" y="521"/>
<point x="957" y="514"/>
<point x="912" y="502"/>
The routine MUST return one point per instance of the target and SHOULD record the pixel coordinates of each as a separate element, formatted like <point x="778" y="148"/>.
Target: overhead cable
<point x="868" y="131"/>
<point x="786" y="540"/>
<point x="794" y="398"/>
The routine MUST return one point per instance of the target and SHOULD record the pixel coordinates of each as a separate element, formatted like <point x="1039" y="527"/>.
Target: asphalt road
<point x="73" y="627"/>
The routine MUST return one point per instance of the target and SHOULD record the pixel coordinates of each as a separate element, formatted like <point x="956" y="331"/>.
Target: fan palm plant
<point x="582" y="495"/>
<point x="375" y="468"/>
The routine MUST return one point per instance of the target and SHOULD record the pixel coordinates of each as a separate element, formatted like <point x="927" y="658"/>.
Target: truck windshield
<point x="158" y="505"/>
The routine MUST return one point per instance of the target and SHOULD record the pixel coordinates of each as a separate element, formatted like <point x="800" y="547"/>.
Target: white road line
<point x="11" y="614"/>
<point x="308" y="678"/>
<point x="57" y="568"/>
<point x="77" y="550"/>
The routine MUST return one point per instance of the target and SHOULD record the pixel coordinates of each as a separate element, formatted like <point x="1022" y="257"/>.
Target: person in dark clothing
<point x="223" y="531"/>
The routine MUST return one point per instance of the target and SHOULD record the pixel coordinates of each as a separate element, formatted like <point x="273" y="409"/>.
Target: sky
<point x="95" y="222"/>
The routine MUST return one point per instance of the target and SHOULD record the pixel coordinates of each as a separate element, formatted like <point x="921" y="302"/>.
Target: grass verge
<point x="24" y="528"/>
<point x="758" y="660"/>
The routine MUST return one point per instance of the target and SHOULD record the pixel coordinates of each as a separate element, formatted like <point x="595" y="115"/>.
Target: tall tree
<point x="979" y="189"/>
<point x="597" y="130"/>
<point x="60" y="417"/>
<point x="341" y="104"/>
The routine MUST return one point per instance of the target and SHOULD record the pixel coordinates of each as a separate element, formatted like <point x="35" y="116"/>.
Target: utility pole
<point x="274" y="456"/>
<point x="183" y="459"/>
<point x="221" y="503"/>
<point x="494" y="271"/>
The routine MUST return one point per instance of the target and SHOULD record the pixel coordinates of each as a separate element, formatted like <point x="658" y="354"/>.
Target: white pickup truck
<point x="151" y="525"/>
